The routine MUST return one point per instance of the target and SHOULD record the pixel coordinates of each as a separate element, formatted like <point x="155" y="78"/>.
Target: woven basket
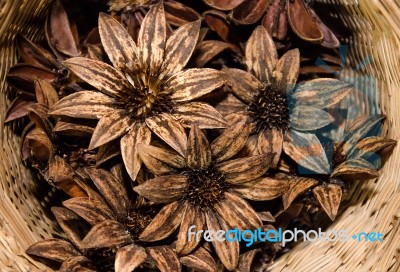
<point x="23" y="218"/>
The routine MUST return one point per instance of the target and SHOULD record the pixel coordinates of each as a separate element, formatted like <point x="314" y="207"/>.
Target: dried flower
<point x="147" y="91"/>
<point x="205" y="188"/>
<point x="275" y="105"/>
<point x="353" y="159"/>
<point x="68" y="253"/>
<point x="112" y="240"/>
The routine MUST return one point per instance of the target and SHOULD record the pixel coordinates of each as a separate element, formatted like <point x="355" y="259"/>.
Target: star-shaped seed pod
<point x="355" y="157"/>
<point x="115" y="222"/>
<point x="206" y="188"/>
<point x="67" y="253"/>
<point x="147" y="91"/>
<point x="282" y="113"/>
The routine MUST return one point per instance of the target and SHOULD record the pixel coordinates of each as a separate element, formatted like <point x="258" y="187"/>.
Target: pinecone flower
<point x="147" y="91"/>
<point x="205" y="188"/>
<point x="281" y="112"/>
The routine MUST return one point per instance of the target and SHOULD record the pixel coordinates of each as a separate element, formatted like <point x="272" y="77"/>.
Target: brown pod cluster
<point x="165" y="118"/>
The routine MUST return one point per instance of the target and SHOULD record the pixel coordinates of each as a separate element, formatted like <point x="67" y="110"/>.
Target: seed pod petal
<point x="238" y="213"/>
<point x="112" y="189"/>
<point x="109" y="128"/>
<point x="61" y="175"/>
<point x="307" y="151"/>
<point x="160" y="161"/>
<point x="60" y="33"/>
<point x="164" y="224"/>
<point x="193" y="83"/>
<point x="107" y="234"/>
<point x="179" y="48"/>
<point x="262" y="189"/>
<point x="321" y="92"/>
<point x="85" y="104"/>
<point x="118" y="44"/>
<point x="169" y="130"/>
<point x="165" y="259"/>
<point x="329" y="197"/>
<point x="129" y="257"/>
<point x="245" y="169"/>
<point x="246" y="260"/>
<point x="355" y="169"/>
<point x="275" y="19"/>
<point x="138" y="134"/>
<point x="72" y="225"/>
<point x="45" y="92"/>
<point x="330" y="39"/>
<point x="270" y="142"/>
<point x="199" y="260"/>
<point x="218" y="22"/>
<point x="192" y="217"/>
<point x="287" y="70"/>
<point x="296" y="187"/>
<point x="359" y="129"/>
<point x="163" y="189"/>
<point x="53" y="249"/>
<point x="100" y="75"/>
<point x="374" y="144"/>
<point x="77" y="263"/>
<point x="243" y="84"/>
<point x="198" y="153"/>
<point x="199" y="114"/>
<point x="303" y="118"/>
<point x="92" y="210"/>
<point x="152" y="37"/>
<point x="223" y="4"/>
<point x="178" y="14"/>
<point x="261" y="54"/>
<point x="229" y="143"/>
<point x="22" y="76"/>
<point x="207" y="50"/>
<point x="227" y="251"/>
<point x="34" y="54"/>
<point x="18" y="109"/>
<point x="73" y="129"/>
<point x="39" y="144"/>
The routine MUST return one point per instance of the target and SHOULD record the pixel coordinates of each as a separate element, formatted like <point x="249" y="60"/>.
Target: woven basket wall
<point x="374" y="208"/>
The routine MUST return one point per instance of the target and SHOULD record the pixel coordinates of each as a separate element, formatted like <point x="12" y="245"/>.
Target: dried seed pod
<point x="61" y="35"/>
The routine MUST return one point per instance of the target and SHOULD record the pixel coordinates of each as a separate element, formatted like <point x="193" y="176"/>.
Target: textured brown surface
<point x="375" y="208"/>
<point x="22" y="219"/>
